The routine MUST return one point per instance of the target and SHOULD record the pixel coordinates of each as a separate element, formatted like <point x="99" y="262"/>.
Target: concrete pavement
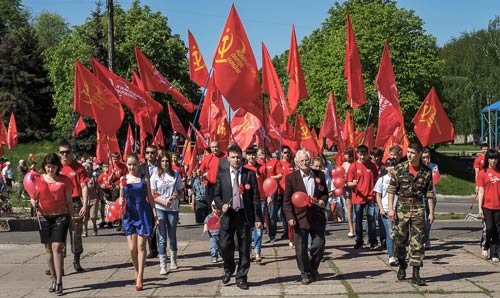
<point x="452" y="268"/>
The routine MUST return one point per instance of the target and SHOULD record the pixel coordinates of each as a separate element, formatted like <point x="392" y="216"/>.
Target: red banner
<point x="176" y="122"/>
<point x="432" y="124"/>
<point x="154" y="81"/>
<point x="198" y="71"/>
<point x="352" y="69"/>
<point x="235" y="69"/>
<point x="297" y="89"/>
<point x="12" y="132"/>
<point x="129" y="143"/>
<point x="304" y="136"/>
<point x="79" y="127"/>
<point x="244" y="128"/>
<point x="159" y="140"/>
<point x="94" y="99"/>
<point x="390" y="116"/>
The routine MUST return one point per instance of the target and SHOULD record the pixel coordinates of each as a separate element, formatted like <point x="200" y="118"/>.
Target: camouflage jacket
<point x="405" y="185"/>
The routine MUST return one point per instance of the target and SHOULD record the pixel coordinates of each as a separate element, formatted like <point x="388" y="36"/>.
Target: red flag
<point x="93" y="99"/>
<point x="332" y="126"/>
<point x="398" y="137"/>
<point x="154" y="81"/>
<point x="198" y="71"/>
<point x="106" y="144"/>
<point x="146" y="122"/>
<point x="142" y="140"/>
<point x="136" y="100"/>
<point x="221" y="132"/>
<point x="159" y="140"/>
<point x="79" y="127"/>
<point x="271" y="86"/>
<point x="389" y="116"/>
<point x="175" y="122"/>
<point x="12" y="132"/>
<point x="364" y="138"/>
<point x="137" y="81"/>
<point x="432" y="125"/>
<point x="3" y="133"/>
<point x="201" y="143"/>
<point x="348" y="129"/>
<point x="235" y="69"/>
<point x="212" y="107"/>
<point x="244" y="128"/>
<point x="352" y="69"/>
<point x="305" y="137"/>
<point x="316" y="139"/>
<point x="297" y="89"/>
<point x="129" y="143"/>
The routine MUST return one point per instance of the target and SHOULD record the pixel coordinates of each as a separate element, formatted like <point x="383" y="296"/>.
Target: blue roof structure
<point x="492" y="107"/>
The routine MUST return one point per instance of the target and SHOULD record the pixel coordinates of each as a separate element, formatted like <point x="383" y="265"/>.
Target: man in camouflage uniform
<point x="411" y="181"/>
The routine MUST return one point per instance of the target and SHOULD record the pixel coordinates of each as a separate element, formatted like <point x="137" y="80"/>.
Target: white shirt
<point x="308" y="182"/>
<point x="381" y="188"/>
<point x="164" y="186"/>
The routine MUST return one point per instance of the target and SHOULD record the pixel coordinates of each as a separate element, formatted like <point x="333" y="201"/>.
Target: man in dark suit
<point x="237" y="195"/>
<point x="309" y="220"/>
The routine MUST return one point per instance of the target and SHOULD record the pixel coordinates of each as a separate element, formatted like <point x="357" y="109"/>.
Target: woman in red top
<point x="55" y="213"/>
<point x="488" y="182"/>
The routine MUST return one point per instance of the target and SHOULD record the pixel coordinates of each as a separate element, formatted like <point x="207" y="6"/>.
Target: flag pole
<point x="74" y="135"/>
<point x="368" y="121"/>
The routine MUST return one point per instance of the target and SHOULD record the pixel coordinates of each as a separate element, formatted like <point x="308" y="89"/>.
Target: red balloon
<point x="29" y="183"/>
<point x="270" y="186"/>
<point x="338" y="192"/>
<point x="338" y="172"/>
<point x="116" y="210"/>
<point x="339" y="182"/>
<point x="110" y="217"/>
<point x="300" y="199"/>
<point x="435" y="177"/>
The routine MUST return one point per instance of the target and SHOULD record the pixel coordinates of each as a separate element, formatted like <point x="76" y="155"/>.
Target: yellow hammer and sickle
<point x="197" y="60"/>
<point x="428" y="116"/>
<point x="247" y="124"/>
<point x="224" y="47"/>
<point x="304" y="134"/>
<point x="221" y="129"/>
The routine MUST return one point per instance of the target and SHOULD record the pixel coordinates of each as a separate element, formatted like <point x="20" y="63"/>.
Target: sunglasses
<point x="65" y="152"/>
<point x="150" y="152"/>
<point x="286" y="152"/>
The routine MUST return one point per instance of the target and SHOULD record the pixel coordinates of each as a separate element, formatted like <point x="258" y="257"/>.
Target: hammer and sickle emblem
<point x="225" y="46"/>
<point x="197" y="60"/>
<point x="304" y="134"/>
<point x="429" y="116"/>
<point x="247" y="123"/>
<point x="221" y="129"/>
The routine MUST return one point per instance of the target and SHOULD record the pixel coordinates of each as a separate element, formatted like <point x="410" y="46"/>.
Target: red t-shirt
<point x="260" y="179"/>
<point x="479" y="162"/>
<point x="78" y="175"/>
<point x="176" y="169"/>
<point x="490" y="181"/>
<point x="286" y="168"/>
<point x="271" y="167"/>
<point x="366" y="174"/>
<point x="210" y="163"/>
<point x="52" y="196"/>
<point x="103" y="179"/>
<point x="119" y="170"/>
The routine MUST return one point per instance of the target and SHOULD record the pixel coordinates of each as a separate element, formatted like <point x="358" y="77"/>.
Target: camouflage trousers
<point x="77" y="247"/>
<point x="409" y="230"/>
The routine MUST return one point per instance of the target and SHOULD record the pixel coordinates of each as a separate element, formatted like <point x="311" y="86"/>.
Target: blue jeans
<point x="382" y="231"/>
<point x="257" y="233"/>
<point x="388" y="240"/>
<point x="370" y="221"/>
<point x="167" y="229"/>
<point x="214" y="247"/>
<point x="273" y="216"/>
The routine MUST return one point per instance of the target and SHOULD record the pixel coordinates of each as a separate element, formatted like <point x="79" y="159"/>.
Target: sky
<point x="270" y="21"/>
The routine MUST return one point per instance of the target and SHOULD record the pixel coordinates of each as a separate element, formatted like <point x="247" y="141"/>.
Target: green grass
<point x="22" y="151"/>
<point x="452" y="147"/>
<point x="451" y="185"/>
<point x="450" y="216"/>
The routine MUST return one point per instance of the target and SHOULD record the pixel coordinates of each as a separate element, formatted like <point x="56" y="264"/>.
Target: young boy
<point x="214" y="235"/>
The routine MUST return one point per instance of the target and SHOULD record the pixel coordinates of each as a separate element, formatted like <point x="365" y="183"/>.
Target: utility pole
<point x="111" y="37"/>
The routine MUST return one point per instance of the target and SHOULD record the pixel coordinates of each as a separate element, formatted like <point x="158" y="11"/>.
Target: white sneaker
<point x="495" y="260"/>
<point x="393" y="261"/>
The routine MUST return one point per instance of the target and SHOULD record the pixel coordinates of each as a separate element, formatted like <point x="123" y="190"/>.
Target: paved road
<point x="456" y="204"/>
<point x="452" y="269"/>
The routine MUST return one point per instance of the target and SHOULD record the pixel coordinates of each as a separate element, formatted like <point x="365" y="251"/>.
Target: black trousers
<point x="201" y="211"/>
<point x="492" y="221"/>
<point x="308" y="264"/>
<point x="237" y="226"/>
<point x="211" y="193"/>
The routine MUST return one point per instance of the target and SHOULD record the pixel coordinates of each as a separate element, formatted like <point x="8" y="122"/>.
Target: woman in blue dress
<point x="139" y="210"/>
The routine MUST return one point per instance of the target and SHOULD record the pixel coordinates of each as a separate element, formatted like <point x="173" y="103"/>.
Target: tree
<point x="165" y="50"/>
<point x="413" y="53"/>
<point x="471" y="74"/>
<point x="24" y="88"/>
<point x="50" y="29"/>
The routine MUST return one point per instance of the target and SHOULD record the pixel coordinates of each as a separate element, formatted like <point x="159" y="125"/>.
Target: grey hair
<point x="300" y="152"/>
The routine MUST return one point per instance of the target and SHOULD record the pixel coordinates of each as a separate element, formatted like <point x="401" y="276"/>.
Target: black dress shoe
<point x="315" y="275"/>
<point x="242" y="285"/>
<point x="152" y="255"/>
<point x="226" y="278"/>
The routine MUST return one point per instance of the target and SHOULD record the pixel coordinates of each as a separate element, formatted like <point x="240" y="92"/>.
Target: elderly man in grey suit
<point x="237" y="195"/>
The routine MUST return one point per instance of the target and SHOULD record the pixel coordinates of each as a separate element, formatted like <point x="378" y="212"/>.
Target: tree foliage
<point x="24" y="87"/>
<point x="50" y="29"/>
<point x="413" y="53"/>
<point x="470" y="75"/>
<point x="137" y="26"/>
